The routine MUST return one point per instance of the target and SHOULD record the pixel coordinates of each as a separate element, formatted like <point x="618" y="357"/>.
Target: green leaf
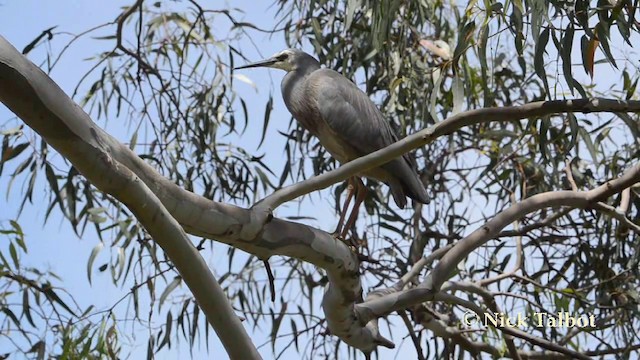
<point x="14" y="255"/>
<point x="628" y="87"/>
<point x="538" y="60"/>
<point x="172" y="286"/>
<point x="168" y="325"/>
<point x="121" y="262"/>
<point x="539" y="12"/>
<point x="94" y="253"/>
<point x="19" y="169"/>
<point x="26" y="309"/>
<point x="352" y="5"/>
<point x="589" y="144"/>
<point x="134" y="140"/>
<point x="294" y="331"/>
<point x="264" y="179"/>
<point x="53" y="296"/>
<point x="277" y="321"/>
<point x="544" y="129"/>
<point x="439" y="75"/>
<point x="565" y="53"/>
<point x="458" y="95"/>
<point x="602" y="33"/>
<point x="267" y="116"/>
<point x="573" y="125"/>
<point x="482" y="57"/>
<point x="631" y="124"/>
<point x="53" y="181"/>
<point x="464" y="39"/>
<point x="17" y="228"/>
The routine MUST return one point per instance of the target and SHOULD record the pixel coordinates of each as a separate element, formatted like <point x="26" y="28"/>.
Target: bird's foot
<point x="352" y="242"/>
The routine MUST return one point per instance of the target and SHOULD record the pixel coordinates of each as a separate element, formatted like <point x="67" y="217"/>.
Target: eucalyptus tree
<point x="524" y="117"/>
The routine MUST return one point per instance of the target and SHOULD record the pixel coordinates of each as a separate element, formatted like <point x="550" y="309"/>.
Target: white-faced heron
<point x="347" y="123"/>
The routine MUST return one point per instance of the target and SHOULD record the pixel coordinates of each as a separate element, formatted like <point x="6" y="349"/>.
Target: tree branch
<point x="513" y="331"/>
<point x="448" y="126"/>
<point x="35" y="98"/>
<point x="445" y="267"/>
<point x="42" y="105"/>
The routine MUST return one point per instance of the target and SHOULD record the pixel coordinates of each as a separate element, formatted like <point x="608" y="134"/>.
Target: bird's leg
<point x="350" y="189"/>
<point x="361" y="193"/>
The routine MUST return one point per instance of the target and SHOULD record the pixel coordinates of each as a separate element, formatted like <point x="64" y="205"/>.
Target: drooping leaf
<point x="172" y="286"/>
<point x="565" y="54"/>
<point x="94" y="253"/>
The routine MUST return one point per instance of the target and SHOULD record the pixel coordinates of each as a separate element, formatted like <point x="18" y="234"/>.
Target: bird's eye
<point x="282" y="57"/>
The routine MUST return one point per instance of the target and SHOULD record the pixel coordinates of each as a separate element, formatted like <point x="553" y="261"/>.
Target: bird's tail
<point x="415" y="190"/>
<point x="412" y="188"/>
<point x="420" y="195"/>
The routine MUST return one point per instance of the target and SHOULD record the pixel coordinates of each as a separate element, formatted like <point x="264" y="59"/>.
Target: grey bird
<point x="347" y="123"/>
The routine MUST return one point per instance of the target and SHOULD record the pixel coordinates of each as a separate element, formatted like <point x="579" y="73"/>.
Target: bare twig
<point x="546" y="221"/>
<point x="567" y="171"/>
<point x="617" y="214"/>
<point x="411" y="331"/>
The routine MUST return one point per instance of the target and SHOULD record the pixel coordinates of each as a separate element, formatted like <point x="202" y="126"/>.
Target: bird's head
<point x="287" y="60"/>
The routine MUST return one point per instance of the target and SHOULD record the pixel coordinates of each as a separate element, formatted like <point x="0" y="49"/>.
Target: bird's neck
<point x="295" y="94"/>
<point x="297" y="75"/>
<point x="310" y="65"/>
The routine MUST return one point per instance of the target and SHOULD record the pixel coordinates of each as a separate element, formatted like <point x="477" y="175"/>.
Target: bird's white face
<point x="284" y="60"/>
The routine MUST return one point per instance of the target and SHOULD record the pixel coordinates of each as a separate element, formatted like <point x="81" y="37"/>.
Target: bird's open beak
<point x="261" y="63"/>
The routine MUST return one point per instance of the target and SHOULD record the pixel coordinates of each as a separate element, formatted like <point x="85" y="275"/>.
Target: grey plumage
<point x="344" y="119"/>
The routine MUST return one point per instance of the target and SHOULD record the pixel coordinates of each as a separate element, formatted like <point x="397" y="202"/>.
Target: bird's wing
<point x="353" y="117"/>
<point x="350" y="113"/>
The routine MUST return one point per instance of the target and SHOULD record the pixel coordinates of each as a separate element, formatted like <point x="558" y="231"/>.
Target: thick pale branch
<point x="42" y="105"/>
<point x="492" y="228"/>
<point x="618" y="214"/>
<point x="445" y="267"/>
<point x="448" y="126"/>
<point x="31" y="95"/>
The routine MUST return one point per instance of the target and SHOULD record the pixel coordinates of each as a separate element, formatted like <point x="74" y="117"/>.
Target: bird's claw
<point x="352" y="242"/>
